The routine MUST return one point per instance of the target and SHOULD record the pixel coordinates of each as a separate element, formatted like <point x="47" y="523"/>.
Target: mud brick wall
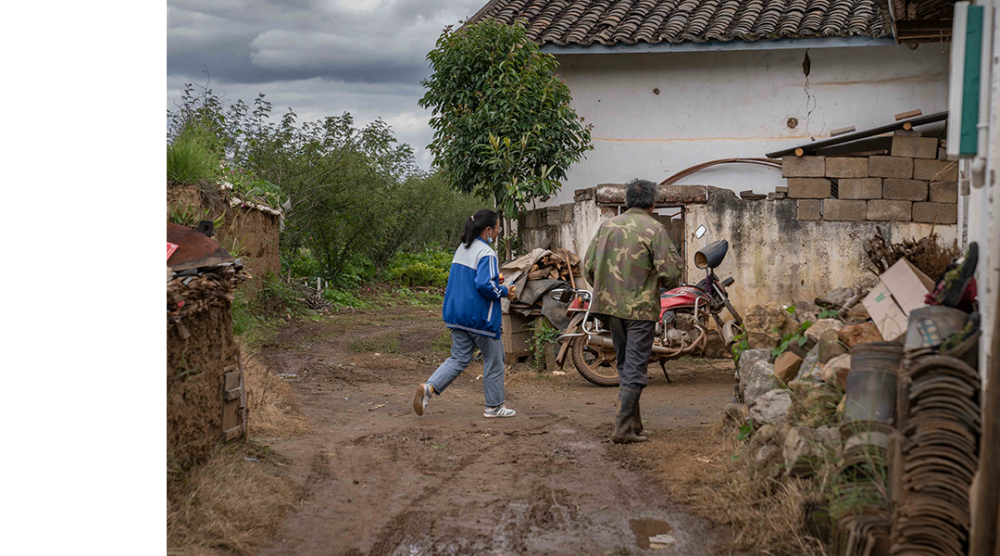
<point x="912" y="184"/>
<point x="251" y="232"/>
<point x="201" y="356"/>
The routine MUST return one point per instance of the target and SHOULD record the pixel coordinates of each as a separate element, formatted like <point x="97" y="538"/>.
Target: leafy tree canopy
<point x="503" y="126"/>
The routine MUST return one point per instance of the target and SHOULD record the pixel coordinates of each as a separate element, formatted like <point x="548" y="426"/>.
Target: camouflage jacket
<point x="627" y="261"/>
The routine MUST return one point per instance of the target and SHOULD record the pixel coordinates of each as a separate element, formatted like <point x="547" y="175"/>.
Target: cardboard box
<point x="900" y="290"/>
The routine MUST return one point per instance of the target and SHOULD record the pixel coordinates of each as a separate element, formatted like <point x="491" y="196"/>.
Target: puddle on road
<point x="652" y="533"/>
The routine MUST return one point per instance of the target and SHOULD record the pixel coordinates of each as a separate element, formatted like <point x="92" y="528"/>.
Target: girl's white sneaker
<point x="500" y="411"/>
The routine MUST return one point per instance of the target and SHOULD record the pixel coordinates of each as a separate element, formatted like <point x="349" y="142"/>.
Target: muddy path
<point x="378" y="480"/>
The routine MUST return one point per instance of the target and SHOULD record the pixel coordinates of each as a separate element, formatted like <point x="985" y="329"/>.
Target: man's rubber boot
<point x="624" y="433"/>
<point x="636" y="417"/>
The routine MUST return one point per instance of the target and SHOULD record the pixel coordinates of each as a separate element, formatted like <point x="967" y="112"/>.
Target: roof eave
<point x="763" y="44"/>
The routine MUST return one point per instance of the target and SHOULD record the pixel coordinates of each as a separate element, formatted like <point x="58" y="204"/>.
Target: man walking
<point x="628" y="260"/>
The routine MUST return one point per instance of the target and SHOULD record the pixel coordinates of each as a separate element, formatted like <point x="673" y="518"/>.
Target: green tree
<point x="353" y="197"/>
<point x="503" y="127"/>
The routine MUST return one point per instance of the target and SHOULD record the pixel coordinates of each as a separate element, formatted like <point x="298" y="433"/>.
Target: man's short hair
<point x="640" y="194"/>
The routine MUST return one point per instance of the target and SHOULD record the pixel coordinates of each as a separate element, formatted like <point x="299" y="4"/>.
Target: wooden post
<point x="509" y="237"/>
<point x="572" y="282"/>
<point x="986" y="497"/>
<point x="800" y="151"/>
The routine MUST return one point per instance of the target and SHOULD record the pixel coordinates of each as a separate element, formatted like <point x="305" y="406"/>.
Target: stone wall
<point x="914" y="183"/>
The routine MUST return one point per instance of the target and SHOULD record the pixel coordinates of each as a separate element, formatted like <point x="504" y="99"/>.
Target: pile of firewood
<point x="559" y="265"/>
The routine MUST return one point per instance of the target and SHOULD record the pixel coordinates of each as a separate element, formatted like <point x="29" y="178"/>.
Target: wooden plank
<point x="907" y="115"/>
<point x="516" y="334"/>
<point x="233" y="394"/>
<point x="231" y="379"/>
<point x="231" y="414"/>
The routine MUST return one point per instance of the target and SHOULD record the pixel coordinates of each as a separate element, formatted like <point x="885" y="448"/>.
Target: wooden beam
<point x="815" y="145"/>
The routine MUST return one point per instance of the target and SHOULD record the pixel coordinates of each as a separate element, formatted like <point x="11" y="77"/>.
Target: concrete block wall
<point x="911" y="184"/>
<point x="570" y="225"/>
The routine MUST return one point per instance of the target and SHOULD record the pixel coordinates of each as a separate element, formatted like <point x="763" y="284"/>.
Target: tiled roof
<point x="608" y="22"/>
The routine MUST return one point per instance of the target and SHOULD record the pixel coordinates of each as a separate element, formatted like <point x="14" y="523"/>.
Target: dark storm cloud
<point x="319" y="57"/>
<point x="350" y="40"/>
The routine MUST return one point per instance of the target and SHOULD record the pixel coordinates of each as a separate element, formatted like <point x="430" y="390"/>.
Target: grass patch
<point x="272" y="404"/>
<point x="697" y="467"/>
<point x="191" y="158"/>
<point x="229" y="505"/>
<point x="380" y="343"/>
<point x="442" y="343"/>
<point x="344" y="298"/>
<point x="401" y="296"/>
<point x="256" y="322"/>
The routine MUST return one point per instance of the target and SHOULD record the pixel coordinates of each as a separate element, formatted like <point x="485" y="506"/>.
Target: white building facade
<point x="657" y="113"/>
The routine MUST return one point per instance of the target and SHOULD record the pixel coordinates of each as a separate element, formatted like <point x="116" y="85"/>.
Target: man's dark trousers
<point x="633" y="340"/>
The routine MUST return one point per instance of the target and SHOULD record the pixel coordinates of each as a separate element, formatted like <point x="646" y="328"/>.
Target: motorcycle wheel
<point x="593" y="364"/>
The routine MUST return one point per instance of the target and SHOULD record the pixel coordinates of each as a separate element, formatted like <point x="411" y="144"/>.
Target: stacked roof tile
<point x="609" y="22"/>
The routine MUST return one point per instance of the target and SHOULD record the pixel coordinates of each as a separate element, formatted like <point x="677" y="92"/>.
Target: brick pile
<point x="910" y="184"/>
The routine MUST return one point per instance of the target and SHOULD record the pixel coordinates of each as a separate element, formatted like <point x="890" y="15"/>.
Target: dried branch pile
<point x="192" y="293"/>
<point x="927" y="254"/>
<point x="310" y="296"/>
<point x="557" y="266"/>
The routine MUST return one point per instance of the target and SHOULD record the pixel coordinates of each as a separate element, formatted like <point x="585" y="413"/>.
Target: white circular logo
<point x="56" y="50"/>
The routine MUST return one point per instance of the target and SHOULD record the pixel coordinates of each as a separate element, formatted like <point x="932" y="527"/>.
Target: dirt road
<point x="379" y="480"/>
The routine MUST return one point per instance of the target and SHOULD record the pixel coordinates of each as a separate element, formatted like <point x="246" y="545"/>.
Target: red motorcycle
<point x="681" y="330"/>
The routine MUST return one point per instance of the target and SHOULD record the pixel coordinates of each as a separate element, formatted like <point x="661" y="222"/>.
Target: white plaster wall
<point x="735" y="104"/>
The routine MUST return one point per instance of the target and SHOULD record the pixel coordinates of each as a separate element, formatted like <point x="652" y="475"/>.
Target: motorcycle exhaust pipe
<point x="605" y="342"/>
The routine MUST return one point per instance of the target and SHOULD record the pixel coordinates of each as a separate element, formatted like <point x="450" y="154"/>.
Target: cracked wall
<point x="710" y="105"/>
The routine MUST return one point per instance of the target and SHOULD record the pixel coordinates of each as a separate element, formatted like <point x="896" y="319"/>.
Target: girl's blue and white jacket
<point x="472" y="300"/>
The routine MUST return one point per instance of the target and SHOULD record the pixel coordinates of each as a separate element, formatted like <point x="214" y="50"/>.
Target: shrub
<point x="302" y="263"/>
<point x="249" y="186"/>
<point x="358" y="270"/>
<point x="436" y="258"/>
<point x="419" y="274"/>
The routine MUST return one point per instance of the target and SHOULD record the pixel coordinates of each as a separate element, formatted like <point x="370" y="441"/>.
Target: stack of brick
<point x="911" y="184"/>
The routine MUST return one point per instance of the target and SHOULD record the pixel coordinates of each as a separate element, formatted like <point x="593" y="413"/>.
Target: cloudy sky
<point x="318" y="57"/>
